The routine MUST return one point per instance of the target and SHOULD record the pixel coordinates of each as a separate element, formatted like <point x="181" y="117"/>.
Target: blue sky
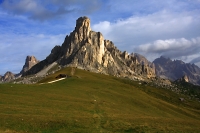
<point x="150" y="27"/>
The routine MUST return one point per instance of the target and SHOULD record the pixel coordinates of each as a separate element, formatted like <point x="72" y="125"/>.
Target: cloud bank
<point x="174" y="48"/>
<point x="49" y="9"/>
<point x="175" y="35"/>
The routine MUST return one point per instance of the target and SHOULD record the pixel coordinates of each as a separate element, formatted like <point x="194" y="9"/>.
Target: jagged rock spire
<point x="29" y="63"/>
<point x="83" y="27"/>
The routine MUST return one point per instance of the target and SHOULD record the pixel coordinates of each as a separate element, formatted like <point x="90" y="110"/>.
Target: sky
<point x="153" y="28"/>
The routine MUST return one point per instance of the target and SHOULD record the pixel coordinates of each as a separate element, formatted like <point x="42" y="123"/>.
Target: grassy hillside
<point x="90" y="103"/>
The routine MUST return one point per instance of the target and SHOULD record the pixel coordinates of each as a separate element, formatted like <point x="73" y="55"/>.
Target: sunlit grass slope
<point x="91" y="103"/>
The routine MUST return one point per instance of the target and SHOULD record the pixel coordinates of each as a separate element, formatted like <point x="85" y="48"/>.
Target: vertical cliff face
<point x="87" y="45"/>
<point x="29" y="63"/>
<point x="89" y="50"/>
<point x="82" y="28"/>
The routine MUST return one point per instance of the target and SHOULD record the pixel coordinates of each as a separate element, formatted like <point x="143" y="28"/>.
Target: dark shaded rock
<point x="61" y="76"/>
<point x="55" y="54"/>
<point x="1" y="78"/>
<point x="36" y="68"/>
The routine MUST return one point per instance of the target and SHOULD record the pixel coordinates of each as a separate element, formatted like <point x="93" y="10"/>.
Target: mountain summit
<point x="87" y="49"/>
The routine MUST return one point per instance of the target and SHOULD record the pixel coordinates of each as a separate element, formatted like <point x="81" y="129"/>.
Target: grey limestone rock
<point x="29" y="63"/>
<point x="88" y="49"/>
<point x="8" y="76"/>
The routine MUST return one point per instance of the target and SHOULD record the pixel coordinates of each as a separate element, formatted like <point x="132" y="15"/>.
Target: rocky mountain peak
<point x="83" y="27"/>
<point x="8" y="76"/>
<point x="29" y="63"/>
<point x="87" y="49"/>
<point x="162" y="60"/>
<point x="31" y="59"/>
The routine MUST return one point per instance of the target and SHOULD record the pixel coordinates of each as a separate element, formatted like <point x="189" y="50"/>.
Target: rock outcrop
<point x="8" y="76"/>
<point x="174" y="70"/>
<point x="183" y="79"/>
<point x="29" y="63"/>
<point x="87" y="49"/>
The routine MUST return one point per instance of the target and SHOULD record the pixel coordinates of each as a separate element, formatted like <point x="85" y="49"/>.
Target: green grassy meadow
<point x="94" y="103"/>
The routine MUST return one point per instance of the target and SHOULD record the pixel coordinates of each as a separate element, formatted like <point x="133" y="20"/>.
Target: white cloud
<point x="22" y="6"/>
<point x="141" y="29"/>
<point x="152" y="34"/>
<point x="159" y="46"/>
<point x="49" y="9"/>
<point x="185" y="49"/>
<point x="104" y="27"/>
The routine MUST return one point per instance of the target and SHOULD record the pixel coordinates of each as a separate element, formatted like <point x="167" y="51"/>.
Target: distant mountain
<point x="8" y="76"/>
<point x="87" y="49"/>
<point x="173" y="70"/>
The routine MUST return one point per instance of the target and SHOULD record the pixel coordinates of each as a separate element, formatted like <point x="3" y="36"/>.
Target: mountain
<point x="87" y="49"/>
<point x="174" y="70"/>
<point x="29" y="63"/>
<point x="8" y="76"/>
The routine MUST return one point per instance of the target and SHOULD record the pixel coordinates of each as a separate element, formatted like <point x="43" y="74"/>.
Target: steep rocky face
<point x="88" y="49"/>
<point x="8" y="76"/>
<point x="29" y="63"/>
<point x="173" y="70"/>
<point x="149" y="66"/>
